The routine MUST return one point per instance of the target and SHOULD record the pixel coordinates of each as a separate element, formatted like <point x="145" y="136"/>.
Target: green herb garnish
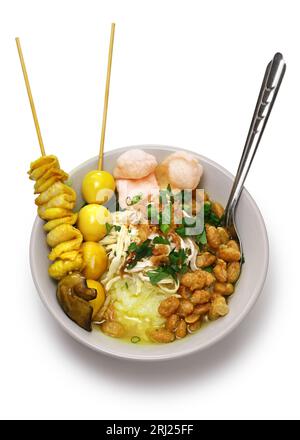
<point x="178" y="262"/>
<point x="209" y="216"/>
<point x="176" y="267"/>
<point x="126" y="285"/>
<point x="214" y="220"/>
<point x="208" y="269"/>
<point x="201" y="239"/>
<point x="133" y="247"/>
<point x="160" y="240"/>
<point x="177" y="258"/>
<point x="161" y="273"/>
<point x="181" y="231"/>
<point x="141" y="251"/>
<point x="108" y="227"/>
<point x="207" y="209"/>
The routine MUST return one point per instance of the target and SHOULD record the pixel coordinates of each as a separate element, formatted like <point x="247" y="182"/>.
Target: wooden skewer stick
<point x="33" y="110"/>
<point x="110" y="53"/>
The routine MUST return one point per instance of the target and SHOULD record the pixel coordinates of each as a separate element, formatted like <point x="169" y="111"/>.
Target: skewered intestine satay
<point x="79" y="297"/>
<point x="56" y="202"/>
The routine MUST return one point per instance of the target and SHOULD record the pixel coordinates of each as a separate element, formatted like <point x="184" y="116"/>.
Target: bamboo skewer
<point x="33" y="110"/>
<point x="104" y="118"/>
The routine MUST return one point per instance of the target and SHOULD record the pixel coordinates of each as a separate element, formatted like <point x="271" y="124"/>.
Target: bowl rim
<point x="181" y="352"/>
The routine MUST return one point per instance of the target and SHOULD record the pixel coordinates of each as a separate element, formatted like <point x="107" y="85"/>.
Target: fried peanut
<point x="194" y="327"/>
<point x="191" y="319"/>
<point x="233" y="271"/>
<point x="160" y="249"/>
<point x="223" y="234"/>
<point x="157" y="260"/>
<point x="229" y="289"/>
<point x="210" y="279"/>
<point x="205" y="260"/>
<point x="225" y="289"/>
<point x="162" y="335"/>
<point x="109" y="313"/>
<point x="184" y="292"/>
<point x="144" y="230"/>
<point x="200" y="297"/>
<point x="172" y="322"/>
<point x="217" y="209"/>
<point x="113" y="328"/>
<point x="220" y="273"/>
<point x="202" y="309"/>
<point x="220" y="288"/>
<point x="229" y="253"/>
<point x="233" y="244"/>
<point x="175" y="239"/>
<point x="185" y="308"/>
<point x="221" y="262"/>
<point x="168" y="306"/>
<point x="181" y="330"/>
<point x="194" y="280"/>
<point x="218" y="308"/>
<point x="213" y="237"/>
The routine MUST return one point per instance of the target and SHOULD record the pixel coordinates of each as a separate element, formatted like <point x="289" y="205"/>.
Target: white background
<point x="185" y="73"/>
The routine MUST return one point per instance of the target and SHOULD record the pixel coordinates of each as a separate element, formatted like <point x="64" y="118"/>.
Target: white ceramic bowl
<point x="217" y="182"/>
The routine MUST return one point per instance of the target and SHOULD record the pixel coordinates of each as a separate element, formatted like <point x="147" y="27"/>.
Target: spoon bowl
<point x="270" y="86"/>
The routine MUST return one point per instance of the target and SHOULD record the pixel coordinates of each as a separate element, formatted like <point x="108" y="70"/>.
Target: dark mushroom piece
<point x="73" y="295"/>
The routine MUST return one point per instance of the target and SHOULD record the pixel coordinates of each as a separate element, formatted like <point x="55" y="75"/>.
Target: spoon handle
<point x="270" y="86"/>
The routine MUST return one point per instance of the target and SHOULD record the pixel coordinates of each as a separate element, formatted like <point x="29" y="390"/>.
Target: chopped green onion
<point x="134" y="200"/>
<point x="152" y="214"/>
<point x="135" y="339"/>
<point x="164" y="228"/>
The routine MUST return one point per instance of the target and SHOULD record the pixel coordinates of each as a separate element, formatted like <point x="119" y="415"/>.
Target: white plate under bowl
<point x="217" y="182"/>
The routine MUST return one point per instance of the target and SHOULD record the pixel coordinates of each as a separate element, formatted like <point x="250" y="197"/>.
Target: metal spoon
<point x="270" y="86"/>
